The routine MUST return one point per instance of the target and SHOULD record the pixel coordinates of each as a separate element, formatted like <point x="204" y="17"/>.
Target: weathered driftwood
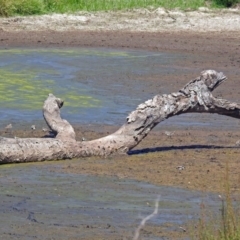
<point x="196" y="96"/>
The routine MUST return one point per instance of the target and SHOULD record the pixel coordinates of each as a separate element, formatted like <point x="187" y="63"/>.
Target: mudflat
<point x="204" y="151"/>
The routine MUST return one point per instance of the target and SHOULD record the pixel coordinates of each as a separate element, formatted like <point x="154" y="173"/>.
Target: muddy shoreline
<point x="204" y="151"/>
<point x="219" y="51"/>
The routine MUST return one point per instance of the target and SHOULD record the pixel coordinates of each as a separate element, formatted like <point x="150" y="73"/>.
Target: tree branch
<point x="51" y="114"/>
<point x="196" y="96"/>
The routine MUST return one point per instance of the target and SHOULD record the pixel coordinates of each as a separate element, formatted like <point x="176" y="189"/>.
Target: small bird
<point x="44" y="129"/>
<point x="9" y="126"/>
<point x="184" y="229"/>
<point x="169" y="133"/>
<point x="238" y="143"/>
<point x="33" y="127"/>
<point x="180" y="168"/>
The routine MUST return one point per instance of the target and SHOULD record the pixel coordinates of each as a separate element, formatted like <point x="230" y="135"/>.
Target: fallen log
<point x="194" y="97"/>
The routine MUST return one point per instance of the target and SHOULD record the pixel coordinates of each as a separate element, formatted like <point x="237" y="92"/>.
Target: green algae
<point x="29" y="92"/>
<point x="81" y="77"/>
<point x="68" y="52"/>
<point x="26" y="86"/>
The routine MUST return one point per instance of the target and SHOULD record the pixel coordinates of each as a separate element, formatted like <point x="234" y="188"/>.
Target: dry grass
<point x="225" y="225"/>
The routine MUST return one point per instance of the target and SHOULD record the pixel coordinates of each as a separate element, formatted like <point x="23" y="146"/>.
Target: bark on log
<point x="196" y="97"/>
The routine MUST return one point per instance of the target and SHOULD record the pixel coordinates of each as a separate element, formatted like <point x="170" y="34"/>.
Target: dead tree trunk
<point x="196" y="97"/>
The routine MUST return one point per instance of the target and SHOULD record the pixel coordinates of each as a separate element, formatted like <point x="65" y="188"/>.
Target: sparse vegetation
<point x="96" y="5"/>
<point x="21" y="7"/>
<point x="226" y="224"/>
<point x="30" y="7"/>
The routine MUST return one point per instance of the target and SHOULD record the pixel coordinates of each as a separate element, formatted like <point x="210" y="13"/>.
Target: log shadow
<point x="50" y="134"/>
<point x="184" y="147"/>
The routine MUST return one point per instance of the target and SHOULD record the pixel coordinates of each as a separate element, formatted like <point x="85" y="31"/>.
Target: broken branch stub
<point x="51" y="113"/>
<point x="195" y="97"/>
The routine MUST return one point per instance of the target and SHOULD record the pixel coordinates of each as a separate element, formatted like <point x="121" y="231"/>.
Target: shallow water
<point x="40" y="202"/>
<point x="98" y="85"/>
<point x="79" y="76"/>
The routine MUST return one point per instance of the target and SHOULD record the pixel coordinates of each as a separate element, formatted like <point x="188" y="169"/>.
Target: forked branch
<point x="196" y="97"/>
